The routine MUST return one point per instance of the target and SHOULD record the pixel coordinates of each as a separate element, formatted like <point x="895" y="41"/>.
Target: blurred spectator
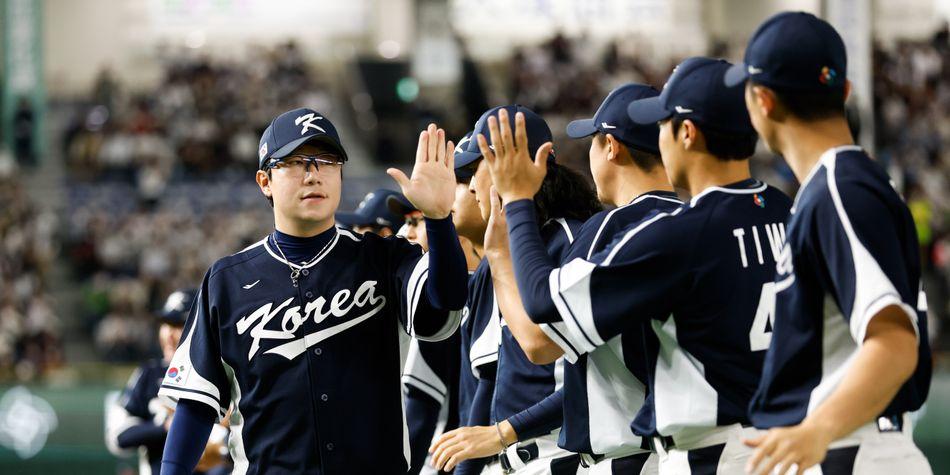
<point x="29" y="328"/>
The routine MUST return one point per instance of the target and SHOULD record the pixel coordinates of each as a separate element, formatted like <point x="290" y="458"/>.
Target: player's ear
<point x="263" y="182"/>
<point x="762" y="100"/>
<point x="847" y="89"/>
<point x="689" y="134"/>
<point x="612" y="147"/>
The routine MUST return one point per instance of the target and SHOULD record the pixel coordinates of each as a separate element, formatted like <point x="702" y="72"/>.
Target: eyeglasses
<point x="299" y="164"/>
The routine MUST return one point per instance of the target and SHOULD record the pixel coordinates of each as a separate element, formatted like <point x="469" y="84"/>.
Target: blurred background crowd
<point x="130" y="176"/>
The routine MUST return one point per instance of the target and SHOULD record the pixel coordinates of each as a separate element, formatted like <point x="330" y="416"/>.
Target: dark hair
<point x="724" y="145"/>
<point x="646" y="161"/>
<point x="565" y="194"/>
<point x="809" y="105"/>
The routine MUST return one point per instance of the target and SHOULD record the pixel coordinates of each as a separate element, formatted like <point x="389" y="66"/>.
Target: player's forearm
<point x="884" y="362"/>
<point x="540" y="419"/>
<point x="531" y="262"/>
<point x="187" y="437"/>
<point x="533" y="341"/>
<point x="447" y="284"/>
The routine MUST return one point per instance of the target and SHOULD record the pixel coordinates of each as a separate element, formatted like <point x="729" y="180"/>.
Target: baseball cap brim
<point x="464" y="159"/>
<point x="648" y="111"/>
<point x="353" y="219"/>
<point x="579" y="129"/>
<point x="736" y="74"/>
<point x="397" y="206"/>
<point x="291" y="146"/>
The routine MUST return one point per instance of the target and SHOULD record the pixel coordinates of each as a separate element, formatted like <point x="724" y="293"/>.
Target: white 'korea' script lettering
<point x="340" y="306"/>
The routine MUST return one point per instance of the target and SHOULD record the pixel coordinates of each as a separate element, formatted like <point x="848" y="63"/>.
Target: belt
<point x="664" y="441"/>
<point x="894" y="423"/>
<point x="589" y="460"/>
<point x="516" y="457"/>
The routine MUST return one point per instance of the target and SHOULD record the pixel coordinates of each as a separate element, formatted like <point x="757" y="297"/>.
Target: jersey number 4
<point x="761" y="334"/>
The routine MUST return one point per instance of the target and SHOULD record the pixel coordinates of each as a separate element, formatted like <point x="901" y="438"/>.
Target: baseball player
<point x="144" y="420"/>
<point x="603" y="390"/>
<point x="372" y="215"/>
<point x="850" y="355"/>
<point x="698" y="277"/>
<point x="303" y="331"/>
<point x="431" y="377"/>
<point x="526" y="406"/>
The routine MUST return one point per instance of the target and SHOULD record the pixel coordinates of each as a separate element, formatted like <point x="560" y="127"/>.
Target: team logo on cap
<point x="262" y="152"/>
<point x="827" y="76"/>
<point x="759" y="200"/>
<point x="307" y="121"/>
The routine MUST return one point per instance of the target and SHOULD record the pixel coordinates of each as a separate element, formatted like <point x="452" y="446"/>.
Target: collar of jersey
<point x="744" y="187"/>
<point x="829" y="154"/>
<point x="316" y="259"/>
<point x="658" y="194"/>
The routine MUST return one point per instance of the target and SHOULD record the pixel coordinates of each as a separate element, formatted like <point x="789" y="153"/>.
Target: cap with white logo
<point x="293" y="129"/>
<point x="611" y="118"/>
<point x="696" y="91"/>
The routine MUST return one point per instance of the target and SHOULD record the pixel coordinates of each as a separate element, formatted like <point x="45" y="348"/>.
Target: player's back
<point x="712" y="323"/>
<point x="597" y="416"/>
<point x="852" y="249"/>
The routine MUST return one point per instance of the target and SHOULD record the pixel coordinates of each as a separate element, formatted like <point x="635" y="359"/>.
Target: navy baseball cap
<point x="400" y="205"/>
<point x="696" y="91"/>
<point x="793" y="51"/>
<point x="612" y="118"/>
<point x="293" y="129"/>
<point x="177" y="305"/>
<point x="462" y="171"/>
<point x="537" y="129"/>
<point x="372" y="211"/>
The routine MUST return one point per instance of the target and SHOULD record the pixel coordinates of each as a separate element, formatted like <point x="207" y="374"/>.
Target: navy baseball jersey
<point x="696" y="276"/>
<point x="140" y="400"/>
<point x="851" y="250"/>
<point x="312" y="371"/>
<point x="604" y="390"/>
<point x="519" y="383"/>
<point x="480" y="334"/>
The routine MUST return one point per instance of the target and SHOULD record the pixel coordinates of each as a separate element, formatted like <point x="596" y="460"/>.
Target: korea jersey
<point x="140" y="405"/>
<point x="480" y="334"/>
<point x="604" y="390"/>
<point x="695" y="277"/>
<point x="313" y="371"/>
<point x="519" y="383"/>
<point x="851" y="250"/>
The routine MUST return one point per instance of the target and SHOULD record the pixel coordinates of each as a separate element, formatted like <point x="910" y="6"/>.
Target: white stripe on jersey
<point x="236" y="438"/>
<point x="872" y="289"/>
<point x="682" y="396"/>
<point x="417" y="373"/>
<point x="603" y="224"/>
<point x="614" y="396"/>
<point x="484" y="349"/>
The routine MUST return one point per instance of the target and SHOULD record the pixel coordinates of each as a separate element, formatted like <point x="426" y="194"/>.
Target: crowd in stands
<point x="29" y="326"/>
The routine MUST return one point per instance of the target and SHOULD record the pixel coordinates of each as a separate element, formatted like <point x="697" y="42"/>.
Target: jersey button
<point x="324" y="397"/>
<point x="317" y="351"/>
<point x="305" y="272"/>
<point x="330" y="446"/>
<point x="309" y="295"/>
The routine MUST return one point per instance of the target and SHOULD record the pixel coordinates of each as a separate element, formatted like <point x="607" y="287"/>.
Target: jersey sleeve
<point x="134" y="397"/>
<point x="636" y="278"/>
<point x="197" y="372"/>
<point x="409" y="267"/>
<point x="861" y="251"/>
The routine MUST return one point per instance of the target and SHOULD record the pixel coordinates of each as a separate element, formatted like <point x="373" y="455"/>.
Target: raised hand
<point x="515" y="176"/>
<point x="496" y="234"/>
<point x="432" y="185"/>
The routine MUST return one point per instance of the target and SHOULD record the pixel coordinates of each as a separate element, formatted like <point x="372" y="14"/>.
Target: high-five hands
<point x="515" y="176"/>
<point x="432" y="185"/>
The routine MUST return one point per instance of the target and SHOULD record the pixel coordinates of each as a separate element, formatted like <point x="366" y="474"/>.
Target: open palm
<point x="431" y="188"/>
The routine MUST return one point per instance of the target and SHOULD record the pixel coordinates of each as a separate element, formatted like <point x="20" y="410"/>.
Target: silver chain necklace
<point x="295" y="271"/>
